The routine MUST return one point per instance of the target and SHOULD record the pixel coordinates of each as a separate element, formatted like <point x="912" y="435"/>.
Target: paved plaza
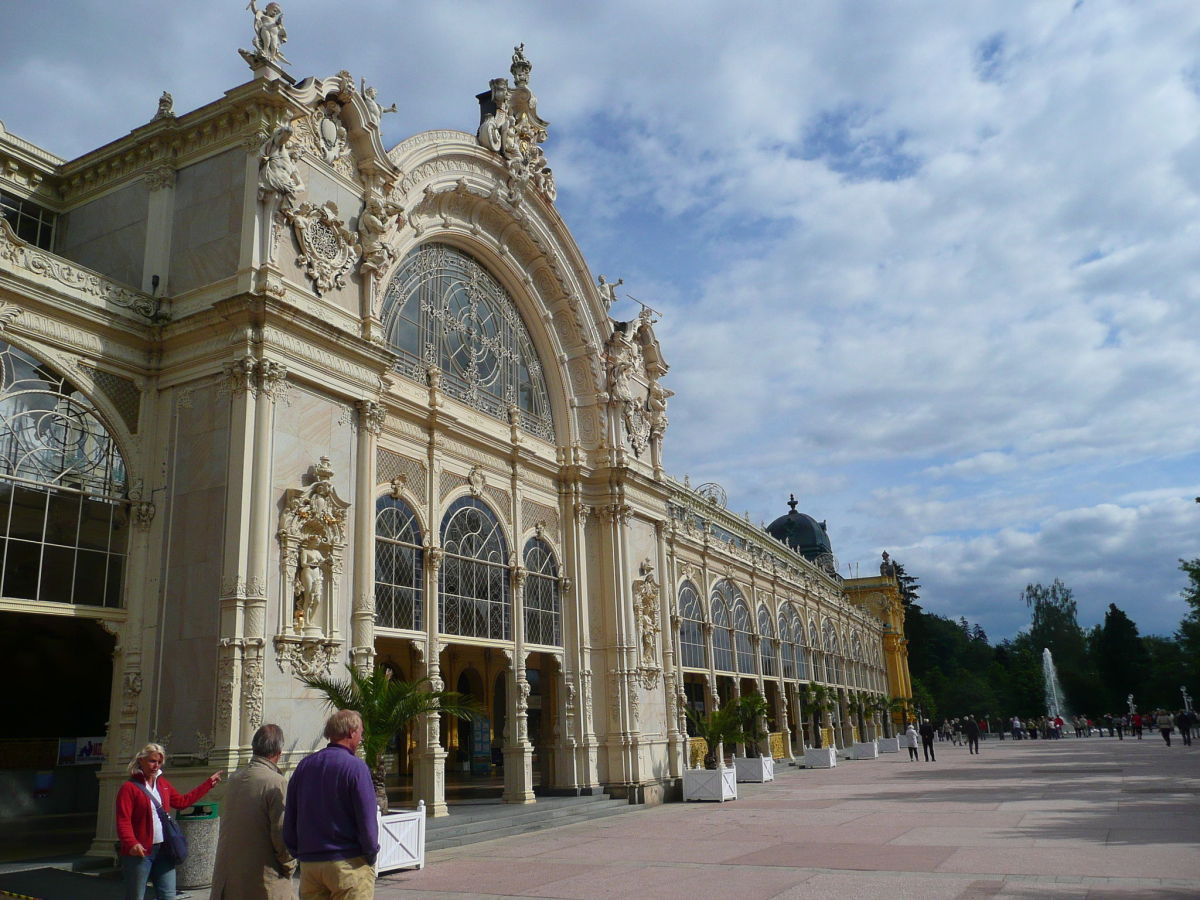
<point x="1094" y="817"/>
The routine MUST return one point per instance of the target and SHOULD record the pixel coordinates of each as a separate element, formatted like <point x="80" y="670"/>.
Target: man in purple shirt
<point x="330" y="818"/>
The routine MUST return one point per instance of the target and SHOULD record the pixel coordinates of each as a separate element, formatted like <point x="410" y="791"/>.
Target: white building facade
<point x="277" y="399"/>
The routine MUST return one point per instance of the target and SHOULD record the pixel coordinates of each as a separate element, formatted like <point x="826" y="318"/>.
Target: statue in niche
<point x="277" y="169"/>
<point x="374" y="110"/>
<point x="608" y="290"/>
<point x="309" y="584"/>
<point x="269" y="33"/>
<point x="623" y="358"/>
<point x="645" y="604"/>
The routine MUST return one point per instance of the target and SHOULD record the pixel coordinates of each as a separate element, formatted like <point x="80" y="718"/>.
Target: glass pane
<point x="115" y="582"/>
<point x="28" y="514"/>
<point x="90" y="569"/>
<point x="21" y="564"/>
<point x="58" y="569"/>
<point x="62" y="519"/>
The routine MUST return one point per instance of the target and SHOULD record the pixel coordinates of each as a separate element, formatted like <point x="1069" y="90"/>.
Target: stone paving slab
<point x="1092" y="818"/>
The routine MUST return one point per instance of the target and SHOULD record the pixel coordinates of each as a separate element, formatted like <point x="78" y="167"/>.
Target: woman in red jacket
<point x="139" y="828"/>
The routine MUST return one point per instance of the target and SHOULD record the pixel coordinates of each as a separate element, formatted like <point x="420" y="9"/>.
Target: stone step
<point x="507" y="826"/>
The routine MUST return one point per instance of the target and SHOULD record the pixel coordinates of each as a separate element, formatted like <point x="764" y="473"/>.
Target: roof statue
<point x="374" y="110"/>
<point x="269" y="35"/>
<point x="166" y="106"/>
<point x="510" y="125"/>
<point x="608" y="290"/>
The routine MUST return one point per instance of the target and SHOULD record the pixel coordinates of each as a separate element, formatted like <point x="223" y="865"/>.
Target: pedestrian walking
<point x="910" y="741"/>
<point x="330" y="819"/>
<point x="1135" y="722"/>
<point x="1121" y="722"/>
<point x="253" y="863"/>
<point x="971" y="730"/>
<point x="1185" y="721"/>
<point x="1164" y="722"/>
<point x="926" y="732"/>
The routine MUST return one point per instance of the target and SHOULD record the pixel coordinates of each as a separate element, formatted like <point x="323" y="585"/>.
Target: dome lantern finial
<point x="792" y="502"/>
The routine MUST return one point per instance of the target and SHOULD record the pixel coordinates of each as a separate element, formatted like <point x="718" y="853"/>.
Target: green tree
<point x="1189" y="628"/>
<point x="1055" y="626"/>
<point x="1121" y="659"/>
<point x="720" y="726"/>
<point x="387" y="706"/>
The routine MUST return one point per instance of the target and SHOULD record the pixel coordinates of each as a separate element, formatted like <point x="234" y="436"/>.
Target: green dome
<point x="802" y="533"/>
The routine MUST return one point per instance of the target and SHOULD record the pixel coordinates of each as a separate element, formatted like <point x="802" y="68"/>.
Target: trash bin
<point x="200" y="824"/>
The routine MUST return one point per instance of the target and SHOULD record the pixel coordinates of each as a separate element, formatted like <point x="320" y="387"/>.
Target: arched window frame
<point x="787" y="646"/>
<point x="818" y="655"/>
<point x="692" y="650"/>
<point x="542" y="600"/>
<point x="63" y="473"/>
<point x="479" y="565"/>
<point x="722" y="633"/>
<point x="743" y="631"/>
<point x="442" y="307"/>
<point x="399" y="565"/>
<point x="800" y="647"/>
<point x="768" y="660"/>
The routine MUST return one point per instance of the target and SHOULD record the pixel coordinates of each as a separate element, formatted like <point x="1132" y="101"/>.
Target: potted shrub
<point x="714" y="781"/>
<point x="754" y="766"/>
<point x="859" y="704"/>
<point x="815" y="701"/>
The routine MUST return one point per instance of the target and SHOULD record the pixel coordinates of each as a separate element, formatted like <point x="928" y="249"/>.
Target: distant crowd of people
<point x="968" y="730"/>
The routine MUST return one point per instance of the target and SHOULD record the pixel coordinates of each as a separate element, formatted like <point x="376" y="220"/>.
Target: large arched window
<point x="801" y="643"/>
<point x="722" y="635"/>
<point x="818" y="658"/>
<point x="787" y="645"/>
<point x="398" y="565"/>
<point x="442" y="308"/>
<point x="543" y="603"/>
<point x="766" y="645"/>
<point x="64" y="515"/>
<point x="741" y="635"/>
<point x="691" y="628"/>
<point x="473" y="596"/>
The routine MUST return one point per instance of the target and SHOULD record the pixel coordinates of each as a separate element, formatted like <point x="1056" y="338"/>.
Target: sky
<point x="934" y="268"/>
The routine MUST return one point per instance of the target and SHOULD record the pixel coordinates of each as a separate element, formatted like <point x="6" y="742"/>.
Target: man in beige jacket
<point x="252" y="861"/>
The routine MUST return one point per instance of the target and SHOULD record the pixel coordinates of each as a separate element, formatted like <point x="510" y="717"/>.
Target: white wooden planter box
<point x="825" y="758"/>
<point x="402" y="840"/>
<point x="866" y="750"/>
<point x="710" y="784"/>
<point x="889" y="745"/>
<point x="760" y="769"/>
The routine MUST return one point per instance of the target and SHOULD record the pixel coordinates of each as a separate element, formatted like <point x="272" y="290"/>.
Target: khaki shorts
<point x="337" y="879"/>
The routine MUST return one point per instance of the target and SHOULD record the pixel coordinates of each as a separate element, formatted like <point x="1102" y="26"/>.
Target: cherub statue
<point x="373" y="224"/>
<point x="269" y="33"/>
<point x="374" y="110"/>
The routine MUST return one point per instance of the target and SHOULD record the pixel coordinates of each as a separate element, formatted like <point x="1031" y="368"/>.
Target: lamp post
<point x="1187" y="698"/>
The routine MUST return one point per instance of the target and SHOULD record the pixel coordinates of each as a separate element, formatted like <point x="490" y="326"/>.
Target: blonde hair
<point x="148" y="750"/>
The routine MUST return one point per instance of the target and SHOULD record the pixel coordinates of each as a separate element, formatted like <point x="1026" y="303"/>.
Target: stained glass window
<point x="398" y="565"/>
<point x="443" y="308"/>
<point x="473" y="595"/>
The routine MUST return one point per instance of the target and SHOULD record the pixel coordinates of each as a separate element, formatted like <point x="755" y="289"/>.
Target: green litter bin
<point x="200" y="824"/>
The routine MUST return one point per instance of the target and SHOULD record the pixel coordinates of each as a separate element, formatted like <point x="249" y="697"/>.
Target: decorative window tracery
<point x="766" y="645"/>
<point x="442" y="308"/>
<point x="691" y="628"/>
<point x="473" y="595"/>
<point x="741" y="637"/>
<point x="787" y="646"/>
<point x="799" y="649"/>
<point x="543" y="602"/>
<point x="62" y="490"/>
<point x="399" y="565"/>
<point x="722" y="636"/>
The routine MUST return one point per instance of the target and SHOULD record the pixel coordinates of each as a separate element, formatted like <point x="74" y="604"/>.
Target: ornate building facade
<point x="277" y="399"/>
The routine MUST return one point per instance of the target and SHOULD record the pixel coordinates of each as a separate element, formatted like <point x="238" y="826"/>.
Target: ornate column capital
<point x="371" y="416"/>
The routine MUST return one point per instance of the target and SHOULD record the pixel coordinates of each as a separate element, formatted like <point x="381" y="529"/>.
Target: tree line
<point x="957" y="671"/>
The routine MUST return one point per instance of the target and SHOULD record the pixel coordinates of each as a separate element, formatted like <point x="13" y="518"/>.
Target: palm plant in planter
<point x="387" y="706"/>
<point x="752" y="712"/>
<point x="815" y="699"/>
<point x="859" y="704"/>
<point x="720" y="726"/>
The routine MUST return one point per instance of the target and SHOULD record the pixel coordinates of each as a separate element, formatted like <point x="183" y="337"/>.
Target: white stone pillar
<point x="371" y="415"/>
<point x="518" y="752"/>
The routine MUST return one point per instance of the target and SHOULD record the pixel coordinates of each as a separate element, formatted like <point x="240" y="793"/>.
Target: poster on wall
<point x="481" y="747"/>
<point x="89" y="751"/>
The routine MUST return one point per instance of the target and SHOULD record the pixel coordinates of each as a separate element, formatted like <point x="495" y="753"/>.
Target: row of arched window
<point x="785" y="645"/>
<point x="474" y="591"/>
